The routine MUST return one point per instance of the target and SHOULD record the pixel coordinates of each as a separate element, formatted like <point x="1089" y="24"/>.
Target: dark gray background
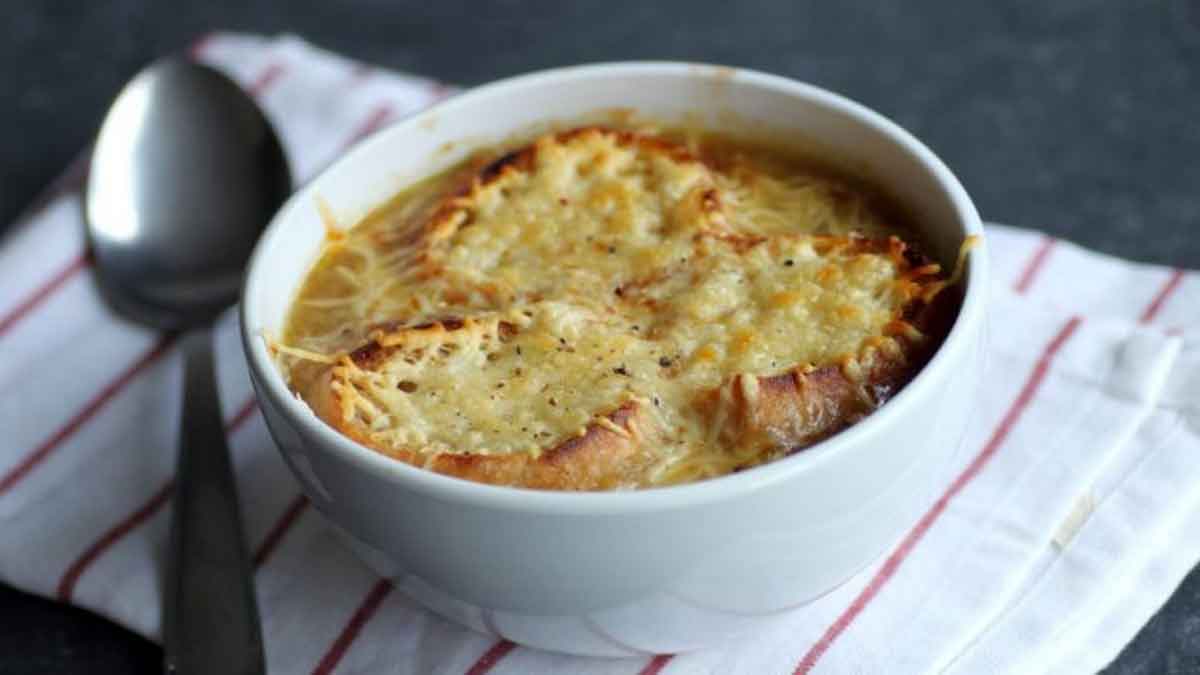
<point x="1080" y="118"/>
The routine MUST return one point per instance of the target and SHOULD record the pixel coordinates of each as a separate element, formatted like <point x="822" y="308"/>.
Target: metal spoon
<point x="185" y="174"/>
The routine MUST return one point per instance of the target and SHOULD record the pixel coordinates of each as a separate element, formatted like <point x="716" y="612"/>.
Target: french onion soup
<point x="606" y="308"/>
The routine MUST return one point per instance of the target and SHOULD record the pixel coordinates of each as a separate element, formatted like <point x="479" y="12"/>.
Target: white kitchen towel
<point x="1072" y="511"/>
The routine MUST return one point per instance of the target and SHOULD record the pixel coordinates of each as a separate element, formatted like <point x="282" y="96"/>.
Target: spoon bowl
<point x="185" y="174"/>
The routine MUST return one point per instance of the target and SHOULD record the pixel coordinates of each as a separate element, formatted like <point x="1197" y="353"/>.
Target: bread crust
<point x="791" y="411"/>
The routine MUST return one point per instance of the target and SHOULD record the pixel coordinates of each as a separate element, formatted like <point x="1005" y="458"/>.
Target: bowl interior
<point x="739" y="101"/>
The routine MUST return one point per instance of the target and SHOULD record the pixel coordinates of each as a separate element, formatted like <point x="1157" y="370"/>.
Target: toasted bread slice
<point x="386" y="378"/>
<point x="603" y="309"/>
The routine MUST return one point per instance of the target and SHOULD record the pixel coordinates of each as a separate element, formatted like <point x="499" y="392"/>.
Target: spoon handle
<point x="210" y="618"/>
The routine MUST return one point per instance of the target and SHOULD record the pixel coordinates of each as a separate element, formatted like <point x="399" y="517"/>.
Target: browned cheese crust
<point x="600" y="458"/>
<point x="759" y="416"/>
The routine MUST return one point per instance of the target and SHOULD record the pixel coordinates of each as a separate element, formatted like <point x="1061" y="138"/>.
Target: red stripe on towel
<point x="265" y="79"/>
<point x="354" y="626"/>
<point x="491" y="657"/>
<point x="1160" y="299"/>
<point x="275" y="535"/>
<point x="39" y="295"/>
<point x="910" y="541"/>
<point x="374" y="120"/>
<point x="66" y="585"/>
<point x="40" y="453"/>
<point x="379" y="114"/>
<point x="247" y="409"/>
<point x="656" y="664"/>
<point x="1035" y="264"/>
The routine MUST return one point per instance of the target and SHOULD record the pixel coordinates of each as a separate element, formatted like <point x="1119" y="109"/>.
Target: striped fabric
<point x="1072" y="512"/>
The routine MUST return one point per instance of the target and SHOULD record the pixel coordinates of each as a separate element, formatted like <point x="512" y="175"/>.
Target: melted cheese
<point x="596" y="269"/>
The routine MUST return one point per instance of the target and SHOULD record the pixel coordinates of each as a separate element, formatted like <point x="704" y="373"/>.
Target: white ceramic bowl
<point x="661" y="570"/>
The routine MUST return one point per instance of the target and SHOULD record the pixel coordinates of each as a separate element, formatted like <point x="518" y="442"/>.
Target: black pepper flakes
<point x="620" y="370"/>
<point x="664" y="362"/>
<point x="789" y="262"/>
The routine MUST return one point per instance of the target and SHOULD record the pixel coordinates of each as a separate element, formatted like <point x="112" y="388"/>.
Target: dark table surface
<point x="1080" y="118"/>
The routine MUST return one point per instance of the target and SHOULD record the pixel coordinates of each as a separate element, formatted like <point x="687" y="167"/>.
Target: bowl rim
<point x="269" y="383"/>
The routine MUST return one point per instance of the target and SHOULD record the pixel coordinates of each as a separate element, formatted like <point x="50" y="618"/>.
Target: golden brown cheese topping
<point x="604" y="309"/>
